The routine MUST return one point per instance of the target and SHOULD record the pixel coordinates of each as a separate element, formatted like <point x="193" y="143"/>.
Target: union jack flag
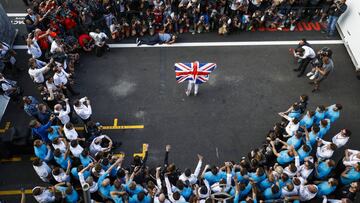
<point x="195" y="71"/>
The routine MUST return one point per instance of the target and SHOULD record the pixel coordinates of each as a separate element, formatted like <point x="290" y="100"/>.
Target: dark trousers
<point x="303" y="65"/>
<point x="150" y="40"/>
<point x="70" y="89"/>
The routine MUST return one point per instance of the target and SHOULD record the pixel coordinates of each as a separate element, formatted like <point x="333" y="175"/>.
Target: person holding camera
<point x="100" y="42"/>
<point x="86" y="42"/>
<point x="10" y="88"/>
<point x="335" y="11"/>
<point x="321" y="72"/>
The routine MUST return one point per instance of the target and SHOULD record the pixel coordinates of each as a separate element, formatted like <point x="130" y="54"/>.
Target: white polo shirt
<point x="63" y="115"/>
<point x="76" y="151"/>
<point x="305" y="194"/>
<point x="70" y="134"/>
<point x="62" y="177"/>
<point x="61" y="78"/>
<point x="83" y="111"/>
<point x="339" y="140"/>
<point x="34" y="50"/>
<point x="323" y="152"/>
<point x="45" y="197"/>
<point x="43" y="171"/>
<point x="61" y="147"/>
<point x="291" y="128"/>
<point x="37" y="74"/>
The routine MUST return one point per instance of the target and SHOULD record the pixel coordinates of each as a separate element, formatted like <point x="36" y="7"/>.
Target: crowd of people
<point x="294" y="164"/>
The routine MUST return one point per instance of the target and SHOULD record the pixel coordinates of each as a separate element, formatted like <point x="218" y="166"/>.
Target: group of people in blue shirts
<point x="295" y="164"/>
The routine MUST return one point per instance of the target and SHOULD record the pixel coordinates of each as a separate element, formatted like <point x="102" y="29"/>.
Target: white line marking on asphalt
<point x="218" y="44"/>
<point x="16" y="14"/>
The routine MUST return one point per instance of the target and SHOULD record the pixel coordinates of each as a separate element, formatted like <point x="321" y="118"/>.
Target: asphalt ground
<point x="230" y="116"/>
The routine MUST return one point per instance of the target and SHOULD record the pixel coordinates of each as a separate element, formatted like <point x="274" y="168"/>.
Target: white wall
<point x="349" y="29"/>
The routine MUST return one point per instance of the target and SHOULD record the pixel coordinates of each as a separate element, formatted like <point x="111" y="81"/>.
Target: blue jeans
<point x="331" y="25"/>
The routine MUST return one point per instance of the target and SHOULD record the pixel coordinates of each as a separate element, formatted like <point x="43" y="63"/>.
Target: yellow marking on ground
<point x="7" y="126"/>
<point x="79" y="128"/>
<point x="115" y="122"/>
<point x="118" y="155"/>
<point x="14" y="192"/>
<point x="12" y="159"/>
<point x="142" y="154"/>
<point x="32" y="158"/>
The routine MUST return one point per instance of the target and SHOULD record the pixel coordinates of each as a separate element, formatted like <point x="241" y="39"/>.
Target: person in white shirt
<point x="43" y="195"/>
<point x="83" y="109"/>
<point x="307" y="192"/>
<point x="70" y="132"/>
<point x="61" y="114"/>
<point x="56" y="46"/>
<point x="292" y="127"/>
<point x="89" y="182"/>
<point x="60" y="175"/>
<point x="42" y="169"/>
<point x="102" y="143"/>
<point x="100" y="42"/>
<point x="75" y="148"/>
<point x="341" y="138"/>
<point x="306" y="54"/>
<point x="60" y="143"/>
<point x="192" y="177"/>
<point x="351" y="158"/>
<point x="33" y="48"/>
<point x="37" y="74"/>
<point x="289" y="190"/>
<point x="61" y="80"/>
<point x="325" y="149"/>
<point x="306" y="168"/>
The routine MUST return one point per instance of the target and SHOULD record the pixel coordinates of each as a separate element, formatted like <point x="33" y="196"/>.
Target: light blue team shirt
<point x="117" y="199"/>
<point x="257" y="178"/>
<point x="242" y="194"/>
<point x="42" y="153"/>
<point x="294" y="114"/>
<point x="186" y="192"/>
<point x="134" y="199"/>
<point x="104" y="191"/>
<point x="284" y="158"/>
<point x="302" y="154"/>
<point x="294" y="141"/>
<point x="350" y="177"/>
<point x="312" y="138"/>
<point x="319" y="116"/>
<point x="62" y="161"/>
<point x="131" y="192"/>
<point x="75" y="173"/>
<point x="331" y="114"/>
<point x="241" y="178"/>
<point x="211" y="178"/>
<point x="325" y="188"/>
<point x="85" y="160"/>
<point x="54" y="134"/>
<point x="269" y="195"/>
<point x="72" y="198"/>
<point x="323" y="170"/>
<point x="307" y="121"/>
<point x="265" y="184"/>
<point x="323" y="130"/>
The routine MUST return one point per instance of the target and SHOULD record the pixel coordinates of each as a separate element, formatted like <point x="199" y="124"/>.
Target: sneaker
<point x="309" y="74"/>
<point x="195" y="93"/>
<point x="137" y="40"/>
<point x="187" y="93"/>
<point x="312" y="77"/>
<point x="138" y="43"/>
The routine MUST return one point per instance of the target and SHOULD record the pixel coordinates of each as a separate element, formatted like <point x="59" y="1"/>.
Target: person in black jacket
<point x="336" y="10"/>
